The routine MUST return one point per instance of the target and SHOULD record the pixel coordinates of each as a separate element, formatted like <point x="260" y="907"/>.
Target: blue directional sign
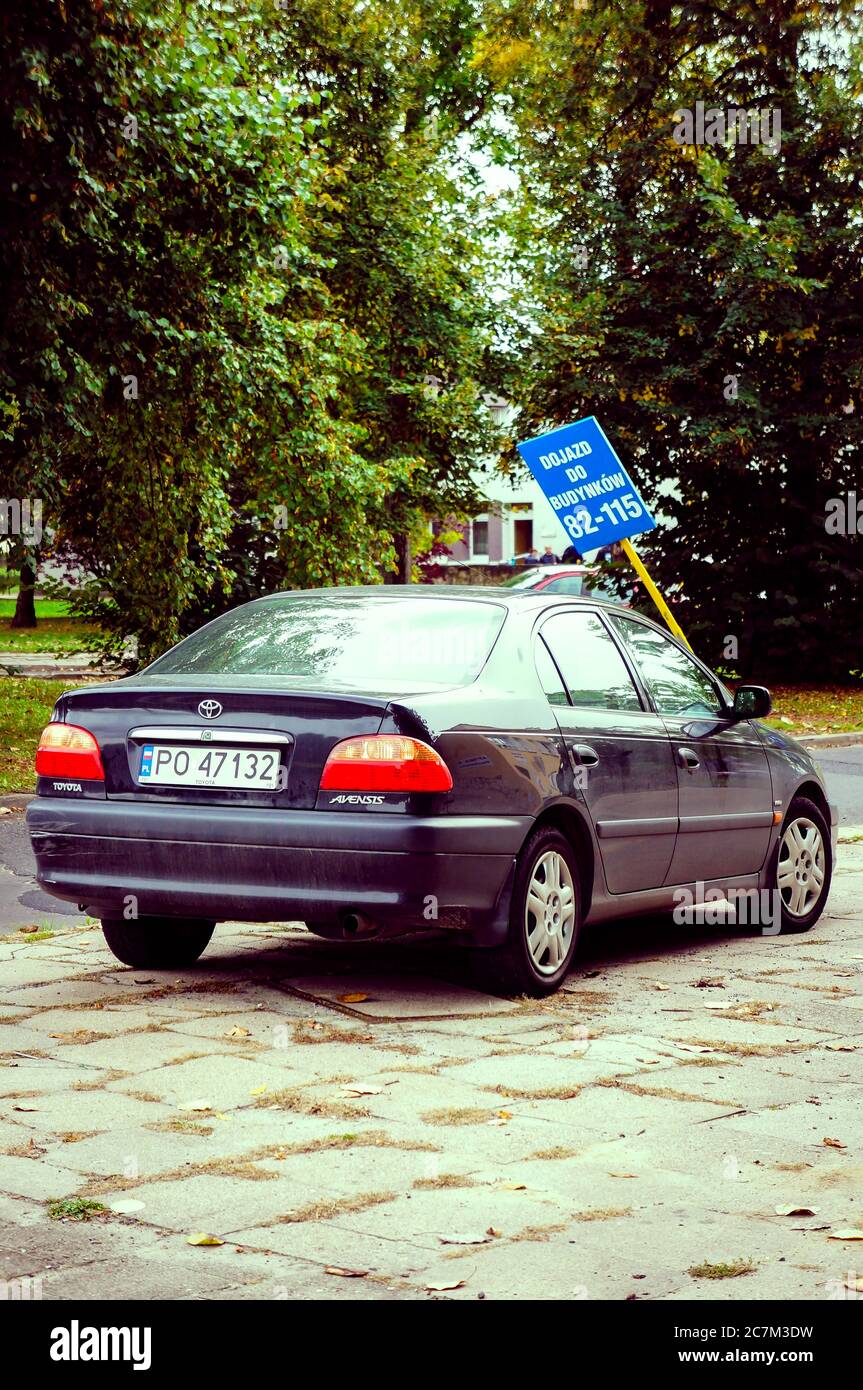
<point x="594" y="497"/>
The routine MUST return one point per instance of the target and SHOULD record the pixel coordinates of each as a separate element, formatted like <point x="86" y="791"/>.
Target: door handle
<point x="688" y="759"/>
<point x="584" y="754"/>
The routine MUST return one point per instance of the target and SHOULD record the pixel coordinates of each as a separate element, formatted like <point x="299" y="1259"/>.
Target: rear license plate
<point x="194" y="765"/>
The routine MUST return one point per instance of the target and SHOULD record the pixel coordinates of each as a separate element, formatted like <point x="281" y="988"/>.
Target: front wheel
<point x="544" y="920"/>
<point x="802" y="866"/>
<point x="157" y="943"/>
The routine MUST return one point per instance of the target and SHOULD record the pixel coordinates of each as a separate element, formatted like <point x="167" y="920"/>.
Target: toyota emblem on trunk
<point x="210" y="709"/>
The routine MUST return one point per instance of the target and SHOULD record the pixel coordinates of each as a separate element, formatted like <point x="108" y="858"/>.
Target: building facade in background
<point x="517" y="518"/>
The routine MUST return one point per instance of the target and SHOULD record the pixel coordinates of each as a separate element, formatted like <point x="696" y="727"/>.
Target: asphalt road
<point x="22" y="903"/>
<point x="843" y="772"/>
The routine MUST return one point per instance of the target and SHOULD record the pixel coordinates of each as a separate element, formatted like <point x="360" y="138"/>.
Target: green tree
<point x="405" y="229"/>
<point x="704" y="302"/>
<point x="190" y="378"/>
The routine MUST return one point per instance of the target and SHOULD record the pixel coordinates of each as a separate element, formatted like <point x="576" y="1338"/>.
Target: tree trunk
<point x="25" y="607"/>
<point x="403" y="558"/>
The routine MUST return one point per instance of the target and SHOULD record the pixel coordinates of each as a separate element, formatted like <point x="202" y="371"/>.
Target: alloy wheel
<point x="549" y="913"/>
<point x="802" y="867"/>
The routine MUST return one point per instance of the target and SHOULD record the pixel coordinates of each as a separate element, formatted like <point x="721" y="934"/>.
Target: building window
<point x="479" y="537"/>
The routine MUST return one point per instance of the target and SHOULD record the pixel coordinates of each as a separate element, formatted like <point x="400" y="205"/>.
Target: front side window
<point x="591" y="665"/>
<point x="677" y="685"/>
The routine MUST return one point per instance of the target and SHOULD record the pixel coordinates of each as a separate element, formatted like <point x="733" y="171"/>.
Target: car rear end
<point x="274" y="766"/>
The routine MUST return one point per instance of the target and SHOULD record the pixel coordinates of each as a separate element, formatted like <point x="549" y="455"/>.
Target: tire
<point x="157" y="943"/>
<point x="802" y="866"/>
<point x="530" y="963"/>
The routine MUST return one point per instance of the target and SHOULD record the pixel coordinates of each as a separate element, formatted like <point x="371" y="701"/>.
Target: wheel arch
<point x="574" y="828"/>
<point x="815" y="792"/>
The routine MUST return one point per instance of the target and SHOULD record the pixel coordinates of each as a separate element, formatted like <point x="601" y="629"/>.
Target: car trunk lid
<point x="302" y="726"/>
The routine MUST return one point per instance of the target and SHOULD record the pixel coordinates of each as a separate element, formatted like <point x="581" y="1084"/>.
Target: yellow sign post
<point x="635" y="560"/>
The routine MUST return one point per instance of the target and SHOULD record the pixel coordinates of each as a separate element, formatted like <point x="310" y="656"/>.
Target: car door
<point x="619" y="750"/>
<point x="726" y="793"/>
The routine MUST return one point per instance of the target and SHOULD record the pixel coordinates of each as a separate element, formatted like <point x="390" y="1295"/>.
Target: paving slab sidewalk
<point x="645" y="1123"/>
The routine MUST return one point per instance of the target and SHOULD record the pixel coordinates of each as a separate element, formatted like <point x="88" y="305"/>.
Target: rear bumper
<point x="265" y="865"/>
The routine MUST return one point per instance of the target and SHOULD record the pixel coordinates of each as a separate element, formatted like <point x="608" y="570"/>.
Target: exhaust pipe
<point x="357" y="924"/>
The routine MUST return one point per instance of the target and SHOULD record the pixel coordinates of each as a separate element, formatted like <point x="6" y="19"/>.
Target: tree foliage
<point x="223" y="389"/>
<point x="705" y="302"/>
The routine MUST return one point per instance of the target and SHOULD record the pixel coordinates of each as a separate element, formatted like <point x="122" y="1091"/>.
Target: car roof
<point x="554" y="569"/>
<point x="478" y="593"/>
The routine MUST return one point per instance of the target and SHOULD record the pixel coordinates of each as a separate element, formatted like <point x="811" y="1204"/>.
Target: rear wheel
<point x="544" y="921"/>
<point x="157" y="943"/>
<point x="803" y="865"/>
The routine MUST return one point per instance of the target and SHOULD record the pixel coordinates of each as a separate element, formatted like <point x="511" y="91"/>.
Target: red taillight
<point x="67" y="751"/>
<point x="385" y="763"/>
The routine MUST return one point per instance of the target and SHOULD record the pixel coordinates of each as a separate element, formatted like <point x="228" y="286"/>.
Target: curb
<point x="830" y="740"/>
<point x="16" y="801"/>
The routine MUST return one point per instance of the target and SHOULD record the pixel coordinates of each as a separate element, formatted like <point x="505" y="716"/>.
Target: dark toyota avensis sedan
<point x="500" y="765"/>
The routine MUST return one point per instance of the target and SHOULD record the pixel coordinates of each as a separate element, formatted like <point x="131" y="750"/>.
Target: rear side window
<point x="595" y="673"/>
<point x="549" y="676"/>
<point x="366" y="641"/>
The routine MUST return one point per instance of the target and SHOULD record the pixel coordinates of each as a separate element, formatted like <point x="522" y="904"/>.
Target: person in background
<point x="609" y="554"/>
<point x="532" y="558"/>
<point x="571" y="556"/>
<point x="548" y="557"/>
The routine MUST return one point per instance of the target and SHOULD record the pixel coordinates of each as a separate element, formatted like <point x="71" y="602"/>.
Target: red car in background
<point x="566" y="579"/>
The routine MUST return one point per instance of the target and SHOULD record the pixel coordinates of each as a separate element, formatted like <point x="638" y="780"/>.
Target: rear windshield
<point x="365" y="641"/>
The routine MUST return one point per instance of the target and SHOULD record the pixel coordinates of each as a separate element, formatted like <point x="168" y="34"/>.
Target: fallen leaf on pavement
<point x="26" y="1109"/>
<point x="443" y="1285"/>
<point x="194" y="1105"/>
<point x="493" y="1231"/>
<point x="352" y="998"/>
<point x="856" y="1285"/>
<point x="791" y="1210"/>
<point x="360" y="1090"/>
<point x="852" y="1233"/>
<point x="238" y="1032"/>
<point x="623" y="1175"/>
<point x="346" y="1273"/>
<point x="834" y="1143"/>
<point x="663" y="989"/>
<point x="841" y="1047"/>
<point x="258" y="1090"/>
<point x="512" y="1187"/>
<point x="202" y="1238"/>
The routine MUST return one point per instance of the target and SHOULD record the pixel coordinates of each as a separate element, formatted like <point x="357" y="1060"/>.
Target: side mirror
<point x="752" y="702"/>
